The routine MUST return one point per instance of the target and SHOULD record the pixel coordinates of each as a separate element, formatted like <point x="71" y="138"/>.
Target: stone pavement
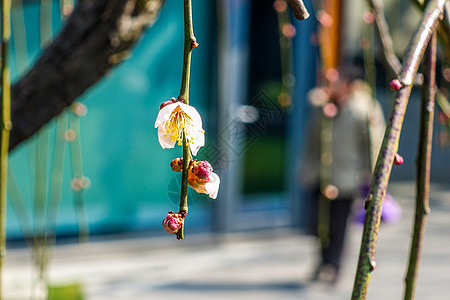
<point x="264" y="265"/>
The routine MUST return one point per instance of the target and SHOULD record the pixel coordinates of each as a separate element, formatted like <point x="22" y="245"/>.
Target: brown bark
<point x="299" y="9"/>
<point x="97" y="36"/>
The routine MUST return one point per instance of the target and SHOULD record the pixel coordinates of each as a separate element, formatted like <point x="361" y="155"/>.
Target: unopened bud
<point x="395" y="85"/>
<point x="165" y="103"/>
<point x="173" y="222"/>
<point x="195" y="182"/>
<point x="202" y="169"/>
<point x="177" y="164"/>
<point x="398" y="159"/>
<point x="368" y="17"/>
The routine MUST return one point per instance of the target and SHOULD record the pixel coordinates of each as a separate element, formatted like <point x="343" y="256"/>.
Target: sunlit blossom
<point x="209" y="186"/>
<point x="200" y="176"/>
<point x="174" y="119"/>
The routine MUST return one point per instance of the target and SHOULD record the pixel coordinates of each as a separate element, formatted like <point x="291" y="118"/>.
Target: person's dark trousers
<point x="339" y="213"/>
<point x="340" y="210"/>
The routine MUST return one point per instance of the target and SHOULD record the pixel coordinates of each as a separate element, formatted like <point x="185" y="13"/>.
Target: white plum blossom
<point x="211" y="188"/>
<point x="176" y="118"/>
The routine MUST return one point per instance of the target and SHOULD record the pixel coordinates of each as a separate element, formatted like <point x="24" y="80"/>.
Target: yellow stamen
<point x="176" y="124"/>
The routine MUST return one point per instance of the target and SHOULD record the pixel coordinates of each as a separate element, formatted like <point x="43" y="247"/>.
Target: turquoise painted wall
<point x="132" y="184"/>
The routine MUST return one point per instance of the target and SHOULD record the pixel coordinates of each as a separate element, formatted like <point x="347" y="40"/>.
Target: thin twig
<point x="56" y="177"/>
<point x="288" y="79"/>
<point x="6" y="128"/>
<point x="375" y="197"/>
<point x="423" y="168"/>
<point x="392" y="62"/>
<point x="78" y="179"/>
<point x="189" y="43"/>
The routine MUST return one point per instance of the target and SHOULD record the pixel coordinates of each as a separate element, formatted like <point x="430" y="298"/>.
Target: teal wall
<point x="132" y="184"/>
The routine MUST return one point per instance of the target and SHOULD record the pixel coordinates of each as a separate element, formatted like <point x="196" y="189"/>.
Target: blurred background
<point x="249" y="82"/>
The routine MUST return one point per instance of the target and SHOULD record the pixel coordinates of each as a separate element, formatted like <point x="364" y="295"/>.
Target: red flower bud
<point x="194" y="181"/>
<point x="202" y="169"/>
<point x="177" y="164"/>
<point x="398" y="160"/>
<point x="395" y="85"/>
<point x="165" y="103"/>
<point x="173" y="222"/>
<point x="368" y="17"/>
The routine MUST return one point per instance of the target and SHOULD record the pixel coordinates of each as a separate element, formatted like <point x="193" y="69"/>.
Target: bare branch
<point x="383" y="167"/>
<point x="392" y="62"/>
<point x="299" y="9"/>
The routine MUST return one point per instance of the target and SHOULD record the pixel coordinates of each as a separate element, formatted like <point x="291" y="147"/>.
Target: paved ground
<point x="270" y="265"/>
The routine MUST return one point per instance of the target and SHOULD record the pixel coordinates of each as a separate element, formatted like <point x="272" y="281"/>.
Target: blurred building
<point x="253" y="139"/>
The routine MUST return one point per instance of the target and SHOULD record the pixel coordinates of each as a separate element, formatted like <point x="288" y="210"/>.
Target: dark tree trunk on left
<point x="97" y="36"/>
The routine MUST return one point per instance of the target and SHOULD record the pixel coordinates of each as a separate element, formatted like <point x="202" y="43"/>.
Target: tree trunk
<point x="97" y="36"/>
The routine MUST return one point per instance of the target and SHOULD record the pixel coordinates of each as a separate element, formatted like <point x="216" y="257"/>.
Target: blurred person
<point x="344" y="136"/>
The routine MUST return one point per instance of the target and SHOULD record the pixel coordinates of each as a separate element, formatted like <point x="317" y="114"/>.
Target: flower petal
<point x="212" y="186"/>
<point x="194" y="133"/>
<point x="164" y="139"/>
<point x="164" y="114"/>
<point x="192" y="113"/>
<point x="197" y="139"/>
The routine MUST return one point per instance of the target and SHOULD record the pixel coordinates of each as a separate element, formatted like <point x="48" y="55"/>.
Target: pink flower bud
<point x="177" y="164"/>
<point x="165" y="103"/>
<point x="194" y="181"/>
<point x="398" y="160"/>
<point x="173" y="222"/>
<point x="202" y="169"/>
<point x="194" y="44"/>
<point x="368" y="17"/>
<point x="395" y="85"/>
